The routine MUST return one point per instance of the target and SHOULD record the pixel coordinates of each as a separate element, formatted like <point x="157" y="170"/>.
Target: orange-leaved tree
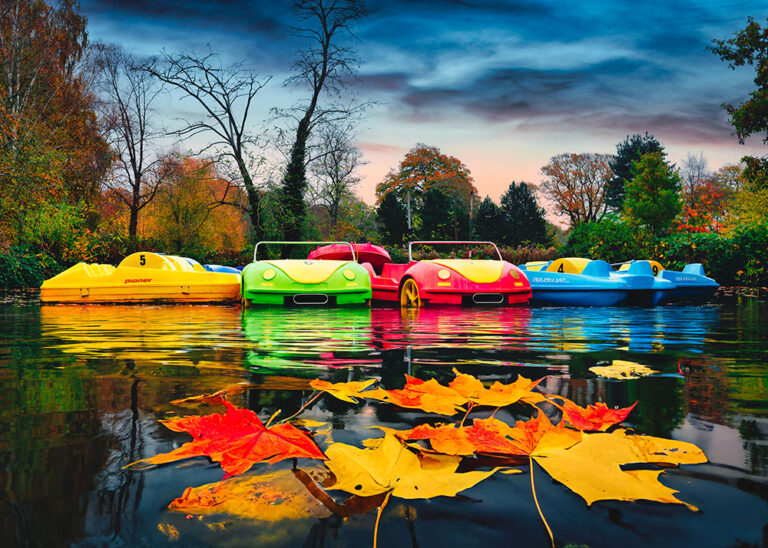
<point x="187" y="215"/>
<point x="576" y="183"/>
<point x="422" y="168"/>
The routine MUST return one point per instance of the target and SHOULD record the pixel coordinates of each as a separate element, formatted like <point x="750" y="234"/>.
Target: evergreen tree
<point x="487" y="222"/>
<point x="392" y="219"/>
<point x="628" y="151"/>
<point x="652" y="196"/>
<point x="522" y="218"/>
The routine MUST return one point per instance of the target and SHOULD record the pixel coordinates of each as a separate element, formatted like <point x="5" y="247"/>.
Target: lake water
<point x="82" y="389"/>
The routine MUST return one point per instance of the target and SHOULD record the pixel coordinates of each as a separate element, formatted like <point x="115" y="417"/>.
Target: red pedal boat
<point x="438" y="281"/>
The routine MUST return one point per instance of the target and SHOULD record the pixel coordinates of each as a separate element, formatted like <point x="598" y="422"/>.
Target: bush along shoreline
<point x="736" y="260"/>
<point x="739" y="258"/>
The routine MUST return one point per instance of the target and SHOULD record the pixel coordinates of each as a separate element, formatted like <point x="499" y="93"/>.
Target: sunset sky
<point x="503" y="86"/>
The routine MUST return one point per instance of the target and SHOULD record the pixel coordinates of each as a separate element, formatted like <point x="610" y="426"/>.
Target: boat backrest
<point x="655" y="266"/>
<point x="568" y="265"/>
<point x="94" y="270"/>
<point x="182" y="264"/>
<point x="640" y="268"/>
<point x="535" y="265"/>
<point x="694" y="268"/>
<point x="145" y="259"/>
<point x="599" y="269"/>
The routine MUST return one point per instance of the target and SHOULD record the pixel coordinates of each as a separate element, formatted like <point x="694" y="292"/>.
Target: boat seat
<point x="599" y="269"/>
<point x="694" y="268"/>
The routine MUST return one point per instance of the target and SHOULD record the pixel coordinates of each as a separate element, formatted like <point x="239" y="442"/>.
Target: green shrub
<point x="609" y="240"/>
<point x="21" y="268"/>
<point x="713" y="251"/>
<point x="750" y="254"/>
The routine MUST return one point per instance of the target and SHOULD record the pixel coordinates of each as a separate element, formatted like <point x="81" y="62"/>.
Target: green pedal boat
<point x="303" y="282"/>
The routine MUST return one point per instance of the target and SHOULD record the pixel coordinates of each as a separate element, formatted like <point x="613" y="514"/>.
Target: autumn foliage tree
<point x="50" y="145"/>
<point x="184" y="217"/>
<point x="577" y="184"/>
<point x="422" y="168"/>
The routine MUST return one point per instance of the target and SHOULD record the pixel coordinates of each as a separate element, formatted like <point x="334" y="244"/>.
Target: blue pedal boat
<point x="580" y="282"/>
<point x="690" y="285"/>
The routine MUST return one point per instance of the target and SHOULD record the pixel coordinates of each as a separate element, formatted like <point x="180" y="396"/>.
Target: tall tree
<point x="422" y="168"/>
<point x="129" y="91"/>
<point x="50" y="143"/>
<point x="324" y="67"/>
<point x="749" y="46"/>
<point x="487" y="224"/>
<point x="334" y="170"/>
<point x="444" y="215"/>
<point x="226" y="95"/>
<point x="628" y="151"/>
<point x="652" y="198"/>
<point x="577" y="183"/>
<point x="522" y="218"/>
<point x="392" y="219"/>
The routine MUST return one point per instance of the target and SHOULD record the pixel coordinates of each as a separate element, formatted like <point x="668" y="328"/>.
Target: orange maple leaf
<point x="539" y="434"/>
<point x="594" y="417"/>
<point x="237" y="440"/>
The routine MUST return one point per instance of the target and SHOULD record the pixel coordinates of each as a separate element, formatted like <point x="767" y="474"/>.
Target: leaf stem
<point x="469" y="408"/>
<point x="378" y="517"/>
<point x="536" y="501"/>
<point x="303" y="407"/>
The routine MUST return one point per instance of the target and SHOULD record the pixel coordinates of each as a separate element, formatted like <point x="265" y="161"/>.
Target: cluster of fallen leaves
<point x="584" y="450"/>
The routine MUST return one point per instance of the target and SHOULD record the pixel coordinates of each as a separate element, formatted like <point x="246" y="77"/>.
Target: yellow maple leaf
<point x="345" y="391"/>
<point x="393" y="467"/>
<point x="592" y="467"/>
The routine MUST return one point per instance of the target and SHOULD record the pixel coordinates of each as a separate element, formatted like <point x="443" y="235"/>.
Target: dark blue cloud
<point x="613" y="64"/>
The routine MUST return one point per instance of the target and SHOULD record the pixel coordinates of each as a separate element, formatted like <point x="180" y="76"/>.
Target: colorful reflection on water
<point x="84" y="386"/>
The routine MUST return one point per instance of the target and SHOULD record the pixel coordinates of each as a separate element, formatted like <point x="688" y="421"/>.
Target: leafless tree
<point x="226" y="95"/>
<point x="325" y="66"/>
<point x="576" y="183"/>
<point x="334" y="170"/>
<point x="128" y="91"/>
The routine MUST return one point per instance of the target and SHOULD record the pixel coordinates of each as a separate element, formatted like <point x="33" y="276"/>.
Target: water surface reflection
<point x="84" y="386"/>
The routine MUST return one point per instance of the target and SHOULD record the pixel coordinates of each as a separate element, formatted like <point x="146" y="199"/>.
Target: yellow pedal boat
<point x="141" y="277"/>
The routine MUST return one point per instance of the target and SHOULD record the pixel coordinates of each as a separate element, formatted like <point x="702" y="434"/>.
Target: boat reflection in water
<point x="170" y="335"/>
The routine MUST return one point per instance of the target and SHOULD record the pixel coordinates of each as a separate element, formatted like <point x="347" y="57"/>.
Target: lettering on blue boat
<point x="551" y="280"/>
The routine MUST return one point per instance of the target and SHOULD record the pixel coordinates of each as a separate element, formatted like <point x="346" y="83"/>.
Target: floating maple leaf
<point x="592" y="468"/>
<point x="538" y="434"/>
<point x="488" y="436"/>
<point x="237" y="440"/>
<point x="430" y="396"/>
<point x="498" y="395"/>
<point x="345" y="391"/>
<point x="594" y="417"/>
<point x="391" y="467"/>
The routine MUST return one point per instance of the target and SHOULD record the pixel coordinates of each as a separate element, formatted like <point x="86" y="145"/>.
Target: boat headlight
<point x="348" y="274"/>
<point x="443" y="274"/>
<point x="269" y="274"/>
<point x="514" y="273"/>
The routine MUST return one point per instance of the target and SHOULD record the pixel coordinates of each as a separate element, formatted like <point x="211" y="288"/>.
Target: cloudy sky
<point x="501" y="85"/>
